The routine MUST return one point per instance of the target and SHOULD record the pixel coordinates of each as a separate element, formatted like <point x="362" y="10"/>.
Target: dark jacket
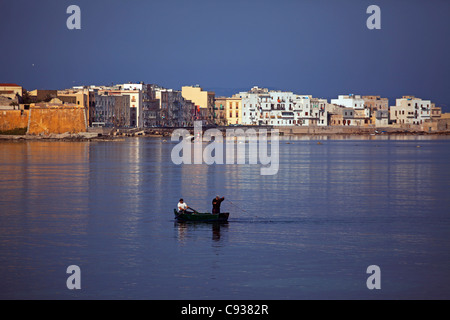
<point x="216" y="205"/>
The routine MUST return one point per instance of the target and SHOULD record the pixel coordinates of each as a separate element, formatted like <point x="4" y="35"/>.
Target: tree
<point x="14" y="104"/>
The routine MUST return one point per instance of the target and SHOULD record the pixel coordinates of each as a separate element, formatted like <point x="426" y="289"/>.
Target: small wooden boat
<point x="201" y="217"/>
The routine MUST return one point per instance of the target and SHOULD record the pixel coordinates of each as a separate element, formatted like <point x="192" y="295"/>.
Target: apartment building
<point x="175" y="110"/>
<point x="10" y="90"/>
<point x="203" y="100"/>
<point x="112" y="110"/>
<point x="281" y="108"/>
<point x="410" y="110"/>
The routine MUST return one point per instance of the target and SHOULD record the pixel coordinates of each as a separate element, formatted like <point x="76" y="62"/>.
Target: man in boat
<point x="216" y="204"/>
<point x="182" y="206"/>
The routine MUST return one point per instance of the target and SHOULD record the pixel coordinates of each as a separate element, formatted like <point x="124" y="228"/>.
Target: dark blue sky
<point x="318" y="47"/>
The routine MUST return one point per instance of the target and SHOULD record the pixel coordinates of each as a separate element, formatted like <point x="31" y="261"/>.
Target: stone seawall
<point x="13" y="119"/>
<point x="326" y="130"/>
<point x="48" y="120"/>
<point x="45" y="120"/>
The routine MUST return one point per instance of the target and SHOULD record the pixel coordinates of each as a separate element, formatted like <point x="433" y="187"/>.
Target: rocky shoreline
<point x="118" y="135"/>
<point x="82" y="136"/>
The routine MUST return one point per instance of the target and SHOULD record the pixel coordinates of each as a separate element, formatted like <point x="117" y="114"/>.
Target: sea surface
<point x="336" y="206"/>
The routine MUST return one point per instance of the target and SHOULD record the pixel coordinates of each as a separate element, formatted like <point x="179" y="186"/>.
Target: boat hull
<point x="201" y="217"/>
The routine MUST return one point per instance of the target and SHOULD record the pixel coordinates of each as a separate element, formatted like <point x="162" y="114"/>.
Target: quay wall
<point x="48" y="120"/>
<point x="13" y="119"/>
<point x="45" y="120"/>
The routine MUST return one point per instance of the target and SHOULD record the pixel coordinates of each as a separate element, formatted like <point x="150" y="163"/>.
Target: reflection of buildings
<point x="47" y="185"/>
<point x="117" y="182"/>
<point x="194" y="186"/>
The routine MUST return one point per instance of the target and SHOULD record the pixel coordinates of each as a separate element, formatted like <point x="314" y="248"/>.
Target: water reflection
<point x="186" y="231"/>
<point x="45" y="179"/>
<point x="381" y="137"/>
<point x="108" y="206"/>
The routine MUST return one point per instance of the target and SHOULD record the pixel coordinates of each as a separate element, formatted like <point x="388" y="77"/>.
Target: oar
<point x="195" y="211"/>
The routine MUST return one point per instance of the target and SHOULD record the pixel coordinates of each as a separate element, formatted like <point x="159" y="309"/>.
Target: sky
<point x="316" y="47"/>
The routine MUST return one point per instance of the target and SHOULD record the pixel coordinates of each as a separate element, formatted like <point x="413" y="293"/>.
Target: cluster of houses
<point x="259" y="106"/>
<point x="143" y="105"/>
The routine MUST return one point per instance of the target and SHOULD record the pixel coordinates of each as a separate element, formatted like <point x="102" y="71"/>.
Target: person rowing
<point x="182" y="206"/>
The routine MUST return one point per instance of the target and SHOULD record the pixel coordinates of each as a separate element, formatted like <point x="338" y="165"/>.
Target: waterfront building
<point x="436" y="112"/>
<point x="255" y="106"/>
<point x="410" y="110"/>
<point x="382" y="118"/>
<point x="375" y="103"/>
<point x="314" y="112"/>
<point x="220" y="114"/>
<point x="280" y="108"/>
<point x="10" y="90"/>
<point x="135" y="101"/>
<point x="364" y="107"/>
<point x="203" y="100"/>
<point x="141" y="110"/>
<point x="175" y="110"/>
<point x="135" y="91"/>
<point x="151" y="112"/>
<point x="233" y="110"/>
<point x="112" y="110"/>
<point x="144" y="106"/>
<point x="362" y="117"/>
<point x="263" y="107"/>
<point x="341" y="116"/>
<point x="349" y="101"/>
<point x="324" y="117"/>
<point x="39" y="95"/>
<point x="228" y="110"/>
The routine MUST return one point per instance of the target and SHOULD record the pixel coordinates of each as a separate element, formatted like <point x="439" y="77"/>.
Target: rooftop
<point x="9" y="85"/>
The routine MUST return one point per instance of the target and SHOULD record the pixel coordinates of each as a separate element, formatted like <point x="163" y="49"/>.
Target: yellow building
<point x="229" y="110"/>
<point x="10" y="90"/>
<point x="201" y="99"/>
<point x="234" y="110"/>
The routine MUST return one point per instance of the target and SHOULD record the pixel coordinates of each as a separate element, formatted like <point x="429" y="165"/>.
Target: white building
<point x="411" y="110"/>
<point x="349" y="101"/>
<point x="280" y="108"/>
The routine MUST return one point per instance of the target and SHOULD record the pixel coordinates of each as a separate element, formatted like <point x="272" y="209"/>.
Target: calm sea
<point x="308" y="232"/>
